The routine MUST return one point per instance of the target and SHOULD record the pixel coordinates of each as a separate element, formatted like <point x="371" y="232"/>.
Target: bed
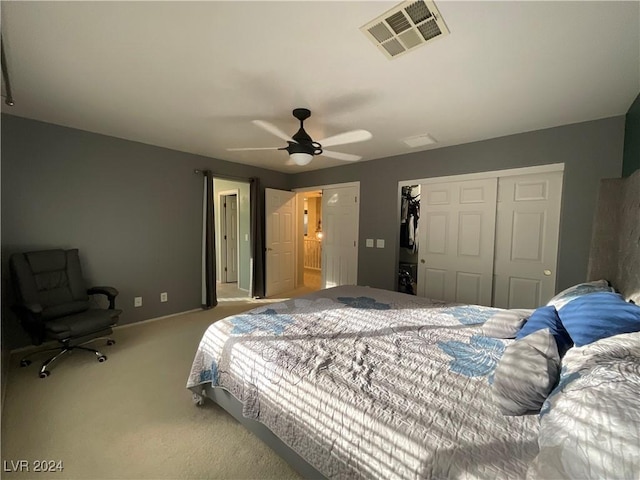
<point x="362" y="382"/>
<point x="357" y="382"/>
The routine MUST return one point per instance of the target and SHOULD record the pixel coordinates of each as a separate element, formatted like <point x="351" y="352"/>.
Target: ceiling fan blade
<point x="251" y="148"/>
<point x="271" y="128"/>
<point x="341" y="156"/>
<point x="347" y="137"/>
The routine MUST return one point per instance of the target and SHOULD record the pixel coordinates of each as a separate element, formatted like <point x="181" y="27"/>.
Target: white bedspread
<point x="590" y="424"/>
<point x="368" y="383"/>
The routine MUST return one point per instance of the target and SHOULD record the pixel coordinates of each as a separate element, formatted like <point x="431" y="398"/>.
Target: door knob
<point x="547" y="273"/>
<point x="422" y="260"/>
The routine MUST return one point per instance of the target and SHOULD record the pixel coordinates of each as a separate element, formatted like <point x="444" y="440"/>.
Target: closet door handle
<point x="422" y="260"/>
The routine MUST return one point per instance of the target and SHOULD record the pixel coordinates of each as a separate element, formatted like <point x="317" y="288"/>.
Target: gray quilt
<point x="368" y="383"/>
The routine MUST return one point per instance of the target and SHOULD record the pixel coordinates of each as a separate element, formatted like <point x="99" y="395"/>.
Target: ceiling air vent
<point x="405" y="27"/>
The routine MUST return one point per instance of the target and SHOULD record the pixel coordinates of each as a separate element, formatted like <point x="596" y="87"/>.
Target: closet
<point x="490" y="240"/>
<point x="408" y="255"/>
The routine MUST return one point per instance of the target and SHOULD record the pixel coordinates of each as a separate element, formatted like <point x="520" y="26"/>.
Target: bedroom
<point x="134" y="208"/>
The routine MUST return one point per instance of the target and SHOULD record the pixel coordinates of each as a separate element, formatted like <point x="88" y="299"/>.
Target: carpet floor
<point x="130" y="417"/>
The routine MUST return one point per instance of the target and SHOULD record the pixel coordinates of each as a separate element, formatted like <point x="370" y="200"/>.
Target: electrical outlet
<point x="163" y="297"/>
<point x="137" y="302"/>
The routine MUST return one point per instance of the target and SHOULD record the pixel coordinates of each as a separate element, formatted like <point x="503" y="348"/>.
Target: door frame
<point x="551" y="167"/>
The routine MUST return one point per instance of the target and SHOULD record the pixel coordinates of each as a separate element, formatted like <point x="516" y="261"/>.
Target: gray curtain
<point x="257" y="234"/>
<point x="209" y="297"/>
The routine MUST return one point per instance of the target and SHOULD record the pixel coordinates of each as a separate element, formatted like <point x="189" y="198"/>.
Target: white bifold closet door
<point x="492" y="241"/>
<point x="456" y="240"/>
<point x="527" y="230"/>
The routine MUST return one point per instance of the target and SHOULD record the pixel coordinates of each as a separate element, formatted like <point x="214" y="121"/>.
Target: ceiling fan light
<point x="301" y="158"/>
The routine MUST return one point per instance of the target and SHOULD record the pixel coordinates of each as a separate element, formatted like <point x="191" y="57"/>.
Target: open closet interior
<point x="408" y="254"/>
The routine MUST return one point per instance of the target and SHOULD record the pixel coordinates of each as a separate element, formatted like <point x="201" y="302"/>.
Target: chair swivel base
<point x="44" y="373"/>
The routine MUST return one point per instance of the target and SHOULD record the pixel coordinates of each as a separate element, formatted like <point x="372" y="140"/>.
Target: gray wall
<point x="133" y="210"/>
<point x="590" y="151"/>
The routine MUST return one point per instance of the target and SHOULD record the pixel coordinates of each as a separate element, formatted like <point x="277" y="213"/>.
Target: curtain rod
<point x="225" y="177"/>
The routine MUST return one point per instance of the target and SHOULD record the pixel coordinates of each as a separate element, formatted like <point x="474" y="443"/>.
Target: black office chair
<point x="53" y="302"/>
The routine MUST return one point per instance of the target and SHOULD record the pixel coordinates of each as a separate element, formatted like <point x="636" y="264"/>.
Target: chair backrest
<point x="52" y="279"/>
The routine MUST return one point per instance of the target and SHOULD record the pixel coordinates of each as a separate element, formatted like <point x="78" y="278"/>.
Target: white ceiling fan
<point x="302" y="148"/>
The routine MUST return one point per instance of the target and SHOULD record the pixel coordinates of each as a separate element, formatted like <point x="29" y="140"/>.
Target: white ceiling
<point x="191" y="76"/>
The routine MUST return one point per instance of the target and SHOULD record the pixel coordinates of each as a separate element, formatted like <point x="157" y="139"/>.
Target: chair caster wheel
<point x="102" y="358"/>
<point x="198" y="400"/>
<point x="25" y="363"/>
<point x="111" y="342"/>
<point x="44" y="373"/>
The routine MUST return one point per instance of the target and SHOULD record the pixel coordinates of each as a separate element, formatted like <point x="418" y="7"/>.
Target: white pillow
<point x="526" y="373"/>
<point x="590" y="424"/>
<point x="506" y="323"/>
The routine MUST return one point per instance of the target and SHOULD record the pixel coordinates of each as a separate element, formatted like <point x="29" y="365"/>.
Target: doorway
<point x="312" y="238"/>
<point x="328" y="225"/>
<point x="232" y="231"/>
<point x="335" y="225"/>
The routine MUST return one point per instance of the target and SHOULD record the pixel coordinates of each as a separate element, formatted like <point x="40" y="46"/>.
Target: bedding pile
<point x="363" y="382"/>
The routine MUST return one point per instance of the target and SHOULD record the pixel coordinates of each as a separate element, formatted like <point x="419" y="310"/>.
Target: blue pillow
<point x="599" y="315"/>
<point x="547" y="317"/>
<point x="571" y="293"/>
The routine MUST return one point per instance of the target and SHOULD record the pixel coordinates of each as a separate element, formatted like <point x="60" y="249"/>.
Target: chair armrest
<point x="110" y="292"/>
<point x="30" y="315"/>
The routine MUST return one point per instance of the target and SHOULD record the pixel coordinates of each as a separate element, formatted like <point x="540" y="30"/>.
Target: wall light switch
<point x="380" y="243"/>
<point x="137" y="301"/>
<point x="246" y="237"/>
<point x="369" y="242"/>
<point x="164" y="297"/>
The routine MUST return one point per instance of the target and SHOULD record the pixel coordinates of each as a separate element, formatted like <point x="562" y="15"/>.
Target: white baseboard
<point x="141" y="322"/>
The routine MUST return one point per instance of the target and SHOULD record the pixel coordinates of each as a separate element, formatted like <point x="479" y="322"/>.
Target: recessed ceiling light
<point x="419" y="140"/>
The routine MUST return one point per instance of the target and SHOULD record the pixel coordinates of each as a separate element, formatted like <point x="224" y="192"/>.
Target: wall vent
<point x="405" y="27"/>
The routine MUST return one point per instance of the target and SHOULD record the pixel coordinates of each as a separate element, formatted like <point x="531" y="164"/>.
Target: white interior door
<point x="231" y="238"/>
<point x="456" y="241"/>
<point x="279" y="241"/>
<point x="340" y="223"/>
<point x="527" y="228"/>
